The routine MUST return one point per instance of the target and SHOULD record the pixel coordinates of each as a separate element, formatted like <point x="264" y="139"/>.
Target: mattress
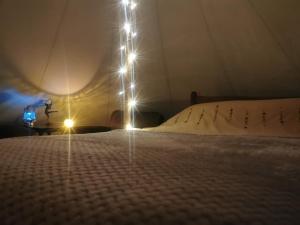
<point x="144" y="177"/>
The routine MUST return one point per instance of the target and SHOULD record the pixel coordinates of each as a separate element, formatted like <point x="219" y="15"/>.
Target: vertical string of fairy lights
<point x="128" y="56"/>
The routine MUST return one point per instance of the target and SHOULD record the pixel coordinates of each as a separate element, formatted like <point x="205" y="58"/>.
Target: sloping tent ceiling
<point x="220" y="48"/>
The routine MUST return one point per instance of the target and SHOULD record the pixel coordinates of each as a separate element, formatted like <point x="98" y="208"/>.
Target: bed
<point x="237" y="116"/>
<point x="143" y="177"/>
<point x="230" y="174"/>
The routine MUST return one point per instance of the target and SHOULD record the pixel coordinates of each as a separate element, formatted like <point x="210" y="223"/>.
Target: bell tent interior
<point x="149" y="111"/>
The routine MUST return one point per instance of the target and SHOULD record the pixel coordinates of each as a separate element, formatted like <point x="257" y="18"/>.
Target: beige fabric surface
<point x="165" y="179"/>
<point x="260" y="117"/>
<point x="217" y="47"/>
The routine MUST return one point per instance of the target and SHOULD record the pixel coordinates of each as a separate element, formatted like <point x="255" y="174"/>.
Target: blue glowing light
<point x="11" y="97"/>
<point x="29" y="116"/>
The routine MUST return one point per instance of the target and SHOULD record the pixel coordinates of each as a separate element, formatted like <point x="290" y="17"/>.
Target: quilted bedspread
<point x="149" y="178"/>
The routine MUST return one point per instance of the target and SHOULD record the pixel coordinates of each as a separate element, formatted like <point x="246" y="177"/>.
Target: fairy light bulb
<point x="132" y="57"/>
<point x="132" y="85"/>
<point x="133" y="5"/>
<point x="129" y="127"/>
<point x="132" y="103"/>
<point x="125" y="2"/>
<point x="127" y="27"/>
<point x="123" y="70"/>
<point x="123" y="48"/>
<point x="128" y="58"/>
<point x="134" y="34"/>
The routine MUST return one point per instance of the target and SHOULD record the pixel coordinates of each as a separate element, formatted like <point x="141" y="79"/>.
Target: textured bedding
<point x="278" y="117"/>
<point x="149" y="178"/>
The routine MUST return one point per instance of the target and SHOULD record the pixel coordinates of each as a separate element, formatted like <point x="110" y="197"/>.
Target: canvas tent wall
<point x="228" y="47"/>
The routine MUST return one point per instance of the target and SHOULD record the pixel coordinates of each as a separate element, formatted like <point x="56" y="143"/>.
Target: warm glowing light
<point x="129" y="127"/>
<point x="128" y="58"/>
<point x="134" y="34"/>
<point x="69" y="123"/>
<point x="125" y="2"/>
<point x="132" y="57"/>
<point x="122" y="48"/>
<point x="127" y="27"/>
<point x="133" y="5"/>
<point x="123" y="70"/>
<point x="132" y="103"/>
